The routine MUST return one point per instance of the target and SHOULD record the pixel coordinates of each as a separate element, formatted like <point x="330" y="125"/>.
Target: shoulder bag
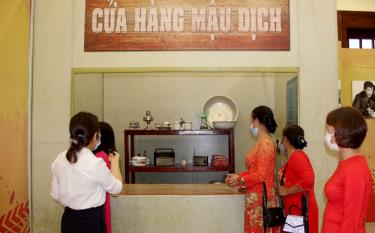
<point x="273" y="216"/>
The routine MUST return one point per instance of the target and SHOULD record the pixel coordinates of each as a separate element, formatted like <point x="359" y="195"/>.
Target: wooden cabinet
<point x="129" y="141"/>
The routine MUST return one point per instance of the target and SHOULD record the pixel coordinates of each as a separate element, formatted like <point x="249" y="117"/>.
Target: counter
<point x="182" y="208"/>
<point x="177" y="189"/>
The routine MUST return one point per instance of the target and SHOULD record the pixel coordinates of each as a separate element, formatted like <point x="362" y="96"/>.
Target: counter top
<point x="177" y="189"/>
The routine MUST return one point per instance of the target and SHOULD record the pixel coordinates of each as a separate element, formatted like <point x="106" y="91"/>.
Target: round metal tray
<point x="220" y="108"/>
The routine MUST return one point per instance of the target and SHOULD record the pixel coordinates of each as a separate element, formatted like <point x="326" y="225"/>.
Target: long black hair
<point x="107" y="140"/>
<point x="265" y="116"/>
<point x="295" y="135"/>
<point x="82" y="128"/>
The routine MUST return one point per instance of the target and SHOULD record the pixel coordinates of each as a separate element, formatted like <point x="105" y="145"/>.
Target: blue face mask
<point x="253" y="130"/>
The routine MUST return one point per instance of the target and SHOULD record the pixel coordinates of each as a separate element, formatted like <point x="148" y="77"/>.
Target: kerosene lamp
<point x="203" y="117"/>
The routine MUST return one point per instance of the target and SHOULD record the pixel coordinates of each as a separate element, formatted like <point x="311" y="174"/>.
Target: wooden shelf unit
<point x="130" y="134"/>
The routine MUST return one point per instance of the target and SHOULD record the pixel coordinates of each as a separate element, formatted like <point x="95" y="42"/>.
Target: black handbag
<point x="273" y="216"/>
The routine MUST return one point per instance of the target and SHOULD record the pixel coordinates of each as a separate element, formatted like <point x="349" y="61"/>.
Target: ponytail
<point x="82" y="128"/>
<point x="76" y="144"/>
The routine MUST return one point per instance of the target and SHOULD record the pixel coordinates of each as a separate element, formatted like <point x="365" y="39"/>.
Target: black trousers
<point x="83" y="221"/>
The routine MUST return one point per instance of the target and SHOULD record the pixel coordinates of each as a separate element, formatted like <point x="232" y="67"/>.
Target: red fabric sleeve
<point x="354" y="196"/>
<point x="301" y="166"/>
<point x="259" y="168"/>
<point x="104" y="156"/>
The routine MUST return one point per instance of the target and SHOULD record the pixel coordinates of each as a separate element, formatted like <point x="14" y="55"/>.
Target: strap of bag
<point x="265" y="199"/>
<point x="282" y="176"/>
<point x="279" y="198"/>
<point x="264" y="192"/>
<point x="305" y="211"/>
<point x="264" y="203"/>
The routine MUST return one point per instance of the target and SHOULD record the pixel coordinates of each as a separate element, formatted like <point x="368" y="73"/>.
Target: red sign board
<point x="121" y="25"/>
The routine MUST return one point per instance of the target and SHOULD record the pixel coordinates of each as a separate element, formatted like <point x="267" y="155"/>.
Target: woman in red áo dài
<point x="260" y="163"/>
<point x="298" y="176"/>
<point x="349" y="188"/>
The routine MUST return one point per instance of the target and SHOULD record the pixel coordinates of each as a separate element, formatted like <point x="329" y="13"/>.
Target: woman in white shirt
<point x="80" y="180"/>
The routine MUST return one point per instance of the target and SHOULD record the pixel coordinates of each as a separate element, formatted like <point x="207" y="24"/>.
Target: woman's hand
<point x="114" y="157"/>
<point x="233" y="180"/>
<point x="283" y="191"/>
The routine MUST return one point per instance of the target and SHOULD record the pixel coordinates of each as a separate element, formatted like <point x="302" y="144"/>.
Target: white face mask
<point x="254" y="130"/>
<point x="97" y="144"/>
<point x="332" y="146"/>
<point x="282" y="148"/>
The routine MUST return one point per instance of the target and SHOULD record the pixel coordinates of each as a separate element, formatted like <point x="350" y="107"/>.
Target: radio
<point x="164" y="157"/>
<point x="200" y="160"/>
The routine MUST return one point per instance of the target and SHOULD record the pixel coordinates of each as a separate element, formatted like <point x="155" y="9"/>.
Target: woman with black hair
<point x="260" y="163"/>
<point x="349" y="189"/>
<point x="80" y="180"/>
<point x="107" y="146"/>
<point x="298" y="176"/>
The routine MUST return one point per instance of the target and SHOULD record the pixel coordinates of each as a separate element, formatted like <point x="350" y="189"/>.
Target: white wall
<point x="59" y="47"/>
<point x="87" y="94"/>
<point x="52" y="63"/>
<point x="318" y="83"/>
<point x="356" y="5"/>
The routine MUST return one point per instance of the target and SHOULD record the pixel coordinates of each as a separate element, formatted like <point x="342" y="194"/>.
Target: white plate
<point x="220" y="108"/>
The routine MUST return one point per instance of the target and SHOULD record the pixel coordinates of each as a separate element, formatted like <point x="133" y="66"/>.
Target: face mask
<point x="254" y="130"/>
<point x="332" y="146"/>
<point x="282" y="148"/>
<point x="97" y="144"/>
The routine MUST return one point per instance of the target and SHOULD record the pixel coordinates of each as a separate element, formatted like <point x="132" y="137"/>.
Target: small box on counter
<point x="164" y="157"/>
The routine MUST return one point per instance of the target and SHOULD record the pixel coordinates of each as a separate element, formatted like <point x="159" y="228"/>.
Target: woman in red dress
<point x="298" y="176"/>
<point x="348" y="190"/>
<point x="106" y="146"/>
<point x="260" y="163"/>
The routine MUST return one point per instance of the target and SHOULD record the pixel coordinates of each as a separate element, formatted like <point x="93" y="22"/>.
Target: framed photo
<point x="363" y="97"/>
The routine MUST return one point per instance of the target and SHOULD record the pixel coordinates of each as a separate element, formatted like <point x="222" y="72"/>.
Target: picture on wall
<point x="363" y="97"/>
